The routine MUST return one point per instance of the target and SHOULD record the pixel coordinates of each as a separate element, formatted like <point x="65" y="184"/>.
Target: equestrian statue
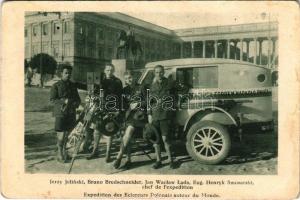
<point x="128" y="48"/>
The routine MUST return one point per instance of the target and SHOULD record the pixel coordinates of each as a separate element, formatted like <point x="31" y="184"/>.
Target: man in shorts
<point x="111" y="86"/>
<point x="65" y="99"/>
<point x="160" y="112"/>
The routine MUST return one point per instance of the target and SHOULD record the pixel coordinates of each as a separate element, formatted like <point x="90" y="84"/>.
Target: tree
<point x="45" y="64"/>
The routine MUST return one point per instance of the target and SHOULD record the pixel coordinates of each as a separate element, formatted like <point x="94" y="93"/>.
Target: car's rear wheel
<point x="208" y="142"/>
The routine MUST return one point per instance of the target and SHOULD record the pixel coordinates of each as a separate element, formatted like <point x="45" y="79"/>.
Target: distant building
<point x="88" y="40"/>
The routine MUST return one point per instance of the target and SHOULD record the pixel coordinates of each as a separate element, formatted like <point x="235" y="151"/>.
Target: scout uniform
<point x="111" y="87"/>
<point x="65" y="115"/>
<point x="161" y="116"/>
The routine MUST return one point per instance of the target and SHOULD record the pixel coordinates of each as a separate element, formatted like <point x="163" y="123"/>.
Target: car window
<point x="150" y="75"/>
<point x="198" y="77"/>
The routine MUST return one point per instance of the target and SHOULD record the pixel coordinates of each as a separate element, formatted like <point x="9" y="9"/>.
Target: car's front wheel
<point x="208" y="142"/>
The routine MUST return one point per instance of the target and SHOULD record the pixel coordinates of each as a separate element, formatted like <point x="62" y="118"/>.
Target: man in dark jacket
<point x="160" y="112"/>
<point x="112" y="89"/>
<point x="65" y="99"/>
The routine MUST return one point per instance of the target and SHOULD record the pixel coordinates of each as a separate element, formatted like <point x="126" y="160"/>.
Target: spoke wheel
<point x="73" y="139"/>
<point x="208" y="142"/>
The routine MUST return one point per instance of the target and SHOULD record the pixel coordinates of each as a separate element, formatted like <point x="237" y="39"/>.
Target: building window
<point x="100" y="52"/>
<point x="198" y="47"/>
<point x="147" y="46"/>
<point x="66" y="49"/>
<point x="45" y="29"/>
<point x="90" y="31"/>
<point x="81" y="49"/>
<point x="152" y="57"/>
<point x="35" y="49"/>
<point x="55" y="50"/>
<point x="187" y="49"/>
<point x="26" y="32"/>
<point x="80" y="29"/>
<point x="109" y="36"/>
<point x="56" y="28"/>
<point x="45" y="48"/>
<point x="109" y="52"/>
<point x="67" y="27"/>
<point x="35" y="30"/>
<point x="91" y="50"/>
<point x="100" y="34"/>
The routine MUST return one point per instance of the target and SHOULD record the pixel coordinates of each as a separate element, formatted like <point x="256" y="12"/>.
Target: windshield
<point x="148" y="75"/>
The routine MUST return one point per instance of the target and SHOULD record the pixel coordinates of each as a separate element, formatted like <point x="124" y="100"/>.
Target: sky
<point x="182" y="20"/>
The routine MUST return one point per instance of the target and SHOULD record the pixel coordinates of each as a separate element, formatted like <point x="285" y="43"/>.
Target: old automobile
<point x="218" y="100"/>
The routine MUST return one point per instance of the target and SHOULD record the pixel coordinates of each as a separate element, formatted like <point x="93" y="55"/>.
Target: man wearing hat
<point x="160" y="112"/>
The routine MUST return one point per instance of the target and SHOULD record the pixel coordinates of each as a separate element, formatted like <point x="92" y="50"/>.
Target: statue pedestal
<point x="121" y="65"/>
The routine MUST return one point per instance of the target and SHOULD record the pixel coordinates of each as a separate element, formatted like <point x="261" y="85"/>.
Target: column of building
<point x="238" y="52"/>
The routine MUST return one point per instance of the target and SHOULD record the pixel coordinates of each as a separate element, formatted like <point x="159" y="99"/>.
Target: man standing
<point x="160" y="112"/>
<point x="65" y="99"/>
<point x="112" y="89"/>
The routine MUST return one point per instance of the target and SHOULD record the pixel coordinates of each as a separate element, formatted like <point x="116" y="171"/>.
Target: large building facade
<point x="89" y="40"/>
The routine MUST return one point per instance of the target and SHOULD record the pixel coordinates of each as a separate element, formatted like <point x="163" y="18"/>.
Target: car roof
<point x="187" y="62"/>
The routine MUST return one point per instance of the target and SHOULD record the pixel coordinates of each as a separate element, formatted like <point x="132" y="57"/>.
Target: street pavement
<point x="257" y="154"/>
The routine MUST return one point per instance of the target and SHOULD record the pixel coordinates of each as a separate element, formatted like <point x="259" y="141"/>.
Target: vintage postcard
<point x="139" y="100"/>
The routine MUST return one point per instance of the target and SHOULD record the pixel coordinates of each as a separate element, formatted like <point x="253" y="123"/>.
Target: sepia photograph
<point x="91" y="97"/>
<point x="150" y="99"/>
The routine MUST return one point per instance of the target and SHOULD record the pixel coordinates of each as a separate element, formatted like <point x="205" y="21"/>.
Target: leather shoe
<point x="117" y="163"/>
<point x="127" y="165"/>
<point x="107" y="159"/>
<point x="172" y="165"/>
<point x="157" y="165"/>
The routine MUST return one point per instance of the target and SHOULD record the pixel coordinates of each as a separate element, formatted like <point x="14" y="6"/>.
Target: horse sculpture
<point x="128" y="47"/>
